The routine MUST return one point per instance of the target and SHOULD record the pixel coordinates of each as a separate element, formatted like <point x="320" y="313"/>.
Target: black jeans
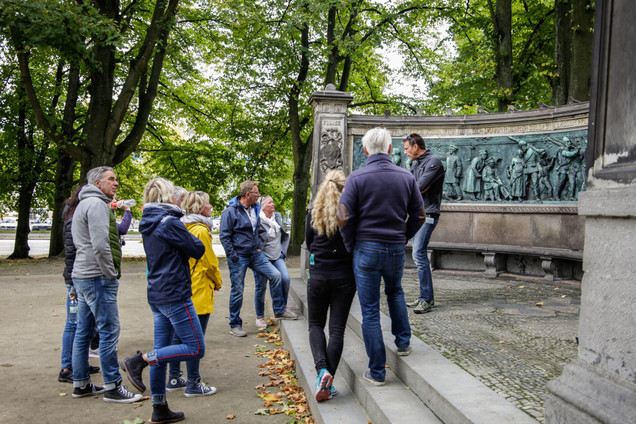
<point x="334" y="296"/>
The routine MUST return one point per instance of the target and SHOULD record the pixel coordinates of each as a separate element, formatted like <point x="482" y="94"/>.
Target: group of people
<point x="356" y="234"/>
<point x="183" y="274"/>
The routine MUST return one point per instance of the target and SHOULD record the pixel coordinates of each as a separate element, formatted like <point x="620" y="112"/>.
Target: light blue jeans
<point x="261" y="287"/>
<point x="420" y="257"/>
<point x="373" y="262"/>
<point x="259" y="264"/>
<point x="68" y="336"/>
<point x="97" y="309"/>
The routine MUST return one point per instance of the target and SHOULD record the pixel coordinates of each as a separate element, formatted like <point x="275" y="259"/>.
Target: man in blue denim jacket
<point x="380" y="210"/>
<point x="240" y="224"/>
<point x="429" y="174"/>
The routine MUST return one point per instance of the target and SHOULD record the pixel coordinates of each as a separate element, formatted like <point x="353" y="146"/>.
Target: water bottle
<point x="129" y="202"/>
<point x="72" y="307"/>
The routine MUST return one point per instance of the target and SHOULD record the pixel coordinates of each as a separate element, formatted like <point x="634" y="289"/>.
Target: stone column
<point x="331" y="149"/>
<point x="600" y="385"/>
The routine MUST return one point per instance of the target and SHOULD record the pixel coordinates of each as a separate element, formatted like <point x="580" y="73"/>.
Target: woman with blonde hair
<point x="168" y="246"/>
<point x="206" y="278"/>
<point x="331" y="284"/>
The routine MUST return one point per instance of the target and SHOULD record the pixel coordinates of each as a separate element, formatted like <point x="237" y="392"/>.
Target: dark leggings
<point x="334" y="296"/>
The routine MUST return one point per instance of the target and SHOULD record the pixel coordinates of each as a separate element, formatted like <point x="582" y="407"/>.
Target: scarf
<point x="272" y="225"/>
<point x="195" y="217"/>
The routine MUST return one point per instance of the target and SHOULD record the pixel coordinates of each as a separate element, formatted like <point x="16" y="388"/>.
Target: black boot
<point x="134" y="366"/>
<point x="162" y="414"/>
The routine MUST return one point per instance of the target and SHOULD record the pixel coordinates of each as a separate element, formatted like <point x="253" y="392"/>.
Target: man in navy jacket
<point x="240" y="223"/>
<point x="429" y="174"/>
<point x="379" y="211"/>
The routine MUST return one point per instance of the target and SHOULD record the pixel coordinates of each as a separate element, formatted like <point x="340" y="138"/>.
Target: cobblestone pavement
<point x="513" y="335"/>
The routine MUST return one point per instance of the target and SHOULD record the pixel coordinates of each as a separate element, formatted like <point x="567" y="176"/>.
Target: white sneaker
<point x="260" y="323"/>
<point x="93" y="353"/>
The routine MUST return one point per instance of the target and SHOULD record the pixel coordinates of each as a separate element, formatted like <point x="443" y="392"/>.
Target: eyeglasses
<point x="255" y="192"/>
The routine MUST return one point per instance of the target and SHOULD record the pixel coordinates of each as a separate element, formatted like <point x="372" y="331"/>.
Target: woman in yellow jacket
<point x="206" y="278"/>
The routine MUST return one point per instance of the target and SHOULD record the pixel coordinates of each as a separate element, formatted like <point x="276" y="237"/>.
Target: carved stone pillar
<point x="600" y="386"/>
<point x="331" y="149"/>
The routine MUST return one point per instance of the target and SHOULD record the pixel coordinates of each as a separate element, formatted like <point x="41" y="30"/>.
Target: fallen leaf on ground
<point x="230" y="417"/>
<point x="62" y="394"/>
<point x="55" y="315"/>
<point x="501" y="342"/>
<point x="539" y="304"/>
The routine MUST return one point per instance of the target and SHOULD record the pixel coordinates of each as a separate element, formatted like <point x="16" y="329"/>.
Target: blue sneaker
<point x="175" y="384"/>
<point x="323" y="382"/>
<point x="332" y="391"/>
<point x="198" y="388"/>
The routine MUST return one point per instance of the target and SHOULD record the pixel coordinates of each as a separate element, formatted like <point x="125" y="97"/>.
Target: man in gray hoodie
<point x="95" y="274"/>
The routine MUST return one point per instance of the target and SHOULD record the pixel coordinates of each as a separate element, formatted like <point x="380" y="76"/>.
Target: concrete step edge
<point x="453" y="394"/>
<point x="342" y="408"/>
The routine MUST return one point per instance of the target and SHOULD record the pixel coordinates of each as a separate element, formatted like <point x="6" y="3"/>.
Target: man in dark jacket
<point x="95" y="274"/>
<point x="240" y="224"/>
<point x="379" y="211"/>
<point x="429" y="174"/>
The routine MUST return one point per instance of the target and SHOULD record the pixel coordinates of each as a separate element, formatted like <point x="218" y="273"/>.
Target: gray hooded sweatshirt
<point x="90" y="231"/>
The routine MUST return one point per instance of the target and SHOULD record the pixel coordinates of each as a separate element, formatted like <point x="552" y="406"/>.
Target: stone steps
<point x="423" y="387"/>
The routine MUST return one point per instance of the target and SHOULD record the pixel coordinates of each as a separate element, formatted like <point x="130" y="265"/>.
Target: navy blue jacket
<point x="169" y="246"/>
<point x="236" y="233"/>
<point x="331" y="259"/>
<point x="429" y="173"/>
<point x="380" y="202"/>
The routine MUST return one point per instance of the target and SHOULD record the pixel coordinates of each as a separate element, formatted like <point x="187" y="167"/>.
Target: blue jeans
<point x="178" y="318"/>
<point x="372" y="262"/>
<point x="192" y="366"/>
<point x="97" y="309"/>
<point x="259" y="264"/>
<point x="68" y="336"/>
<point x="261" y="287"/>
<point x="420" y="257"/>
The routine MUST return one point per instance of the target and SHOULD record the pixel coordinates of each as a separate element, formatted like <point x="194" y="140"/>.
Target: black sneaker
<point x="89" y="390"/>
<point x="120" y="395"/>
<point x="66" y="376"/>
<point x="134" y="366"/>
<point x="92" y="369"/>
<point x="404" y="351"/>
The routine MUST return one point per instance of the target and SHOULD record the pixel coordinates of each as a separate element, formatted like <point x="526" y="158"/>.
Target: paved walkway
<point x="513" y="335"/>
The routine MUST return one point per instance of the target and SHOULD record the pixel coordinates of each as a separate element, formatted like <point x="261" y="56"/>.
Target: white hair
<point x="377" y="141"/>
<point x="97" y="173"/>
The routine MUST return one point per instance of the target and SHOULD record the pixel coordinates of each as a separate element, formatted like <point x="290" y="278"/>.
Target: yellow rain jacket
<point x="205" y="272"/>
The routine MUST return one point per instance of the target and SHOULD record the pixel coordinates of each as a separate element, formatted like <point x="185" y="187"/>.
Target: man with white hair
<point x="95" y="273"/>
<point x="380" y="210"/>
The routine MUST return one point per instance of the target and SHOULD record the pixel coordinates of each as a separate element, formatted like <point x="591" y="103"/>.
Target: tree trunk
<point x="27" y="185"/>
<point x="21" y="246"/>
<point x="562" y="51"/>
<point x="582" y="40"/>
<point x="301" y="152"/>
<point x="501" y="17"/>
<point x="63" y="184"/>
<point x="302" y="174"/>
